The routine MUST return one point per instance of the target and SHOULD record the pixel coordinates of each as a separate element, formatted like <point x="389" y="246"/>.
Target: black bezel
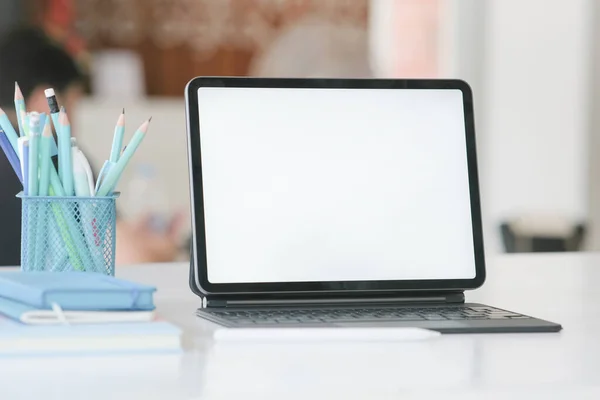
<point x="196" y="192"/>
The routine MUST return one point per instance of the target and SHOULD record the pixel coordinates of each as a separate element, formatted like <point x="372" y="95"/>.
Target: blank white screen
<point x="335" y="185"/>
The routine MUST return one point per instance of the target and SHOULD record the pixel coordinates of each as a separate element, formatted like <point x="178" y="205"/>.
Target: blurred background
<point x="533" y="67"/>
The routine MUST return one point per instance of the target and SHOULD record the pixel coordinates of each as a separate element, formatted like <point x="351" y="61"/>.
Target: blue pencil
<point x="11" y="155"/>
<point x="24" y="156"/>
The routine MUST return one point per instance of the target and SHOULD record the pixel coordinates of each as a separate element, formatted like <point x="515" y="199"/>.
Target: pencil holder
<point x="68" y="234"/>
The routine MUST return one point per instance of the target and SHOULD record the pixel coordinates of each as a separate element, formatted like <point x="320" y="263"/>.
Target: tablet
<point x="333" y="185"/>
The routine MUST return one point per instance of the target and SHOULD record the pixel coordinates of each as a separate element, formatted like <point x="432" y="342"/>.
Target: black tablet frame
<point x="198" y="261"/>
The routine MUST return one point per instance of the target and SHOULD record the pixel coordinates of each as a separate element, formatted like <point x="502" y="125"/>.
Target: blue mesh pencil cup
<point x="68" y="233"/>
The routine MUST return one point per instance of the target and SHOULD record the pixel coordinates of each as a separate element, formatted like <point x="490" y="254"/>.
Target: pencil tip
<point x="47" y="129"/>
<point x="121" y="120"/>
<point x="18" y="93"/>
<point x="144" y="126"/>
<point x="123" y="112"/>
<point x="149" y="119"/>
<point x="63" y="119"/>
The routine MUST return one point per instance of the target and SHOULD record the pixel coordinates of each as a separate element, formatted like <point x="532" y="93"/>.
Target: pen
<point x="320" y="335"/>
<point x="65" y="162"/>
<point x="113" y="176"/>
<point x="118" y="138"/>
<point x="11" y="154"/>
<point x="82" y="172"/>
<point x="34" y="137"/>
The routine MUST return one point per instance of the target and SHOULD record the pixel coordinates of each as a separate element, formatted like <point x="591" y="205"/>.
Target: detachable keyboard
<point x="312" y="316"/>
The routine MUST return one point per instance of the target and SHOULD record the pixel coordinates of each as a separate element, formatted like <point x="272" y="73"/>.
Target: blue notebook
<point x="75" y="291"/>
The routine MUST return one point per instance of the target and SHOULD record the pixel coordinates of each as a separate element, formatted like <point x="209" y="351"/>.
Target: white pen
<point x="336" y="334"/>
<point x="83" y="178"/>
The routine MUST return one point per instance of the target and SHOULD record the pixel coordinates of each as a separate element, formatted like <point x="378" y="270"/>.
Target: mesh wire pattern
<point x="68" y="234"/>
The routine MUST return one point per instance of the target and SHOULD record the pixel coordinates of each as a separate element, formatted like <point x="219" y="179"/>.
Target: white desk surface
<point x="563" y="288"/>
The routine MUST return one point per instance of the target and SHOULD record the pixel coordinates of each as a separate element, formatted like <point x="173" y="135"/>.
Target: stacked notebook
<point x="78" y="312"/>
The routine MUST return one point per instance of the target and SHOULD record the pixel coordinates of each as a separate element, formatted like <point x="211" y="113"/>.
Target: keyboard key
<point x="454" y="316"/>
<point x="434" y="317"/>
<point x="411" y="316"/>
<point x="407" y="318"/>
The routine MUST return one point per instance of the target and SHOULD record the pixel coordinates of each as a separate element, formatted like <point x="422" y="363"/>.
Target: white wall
<point x="529" y="65"/>
<point x="593" y="241"/>
<point x="382" y="41"/>
<point x="536" y="102"/>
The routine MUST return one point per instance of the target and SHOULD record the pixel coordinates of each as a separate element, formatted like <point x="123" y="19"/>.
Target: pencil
<point x="25" y="121"/>
<point x="9" y="130"/>
<point x="34" y="137"/>
<point x="45" y="160"/>
<point x="24" y="160"/>
<point x="118" y="138"/>
<point x="52" y="102"/>
<point x="19" y="106"/>
<point x="43" y="190"/>
<point x="65" y="162"/>
<point x="11" y="154"/>
<point x="53" y="106"/>
<point x="114" y="174"/>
